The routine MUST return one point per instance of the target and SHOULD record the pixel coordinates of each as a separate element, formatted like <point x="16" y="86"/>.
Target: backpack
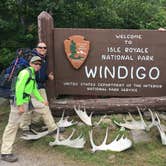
<point x="13" y="85"/>
<point x="9" y="75"/>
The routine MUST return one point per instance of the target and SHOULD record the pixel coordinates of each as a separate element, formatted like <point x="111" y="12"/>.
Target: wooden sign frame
<point x="92" y="102"/>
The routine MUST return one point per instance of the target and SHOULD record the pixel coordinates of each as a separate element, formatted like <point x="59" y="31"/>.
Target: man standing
<point x="41" y="78"/>
<point x="26" y="87"/>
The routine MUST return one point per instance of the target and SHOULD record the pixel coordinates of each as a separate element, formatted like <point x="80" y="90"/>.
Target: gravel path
<point x="40" y="158"/>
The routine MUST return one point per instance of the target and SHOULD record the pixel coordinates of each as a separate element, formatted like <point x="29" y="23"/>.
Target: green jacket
<point x="30" y="88"/>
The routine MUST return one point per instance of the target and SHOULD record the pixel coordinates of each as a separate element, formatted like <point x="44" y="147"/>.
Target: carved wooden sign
<point x="110" y="62"/>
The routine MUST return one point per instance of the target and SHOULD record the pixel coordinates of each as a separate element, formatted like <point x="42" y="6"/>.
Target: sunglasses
<point x="42" y="47"/>
<point x="39" y="64"/>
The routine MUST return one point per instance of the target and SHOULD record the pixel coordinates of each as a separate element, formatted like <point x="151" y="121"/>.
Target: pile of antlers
<point x="141" y="125"/>
<point x="120" y="143"/>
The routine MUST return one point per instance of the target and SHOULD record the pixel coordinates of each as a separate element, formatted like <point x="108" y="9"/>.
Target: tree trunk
<point x="108" y="105"/>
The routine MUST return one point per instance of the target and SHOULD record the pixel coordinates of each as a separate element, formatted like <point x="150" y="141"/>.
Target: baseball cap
<point x="35" y="58"/>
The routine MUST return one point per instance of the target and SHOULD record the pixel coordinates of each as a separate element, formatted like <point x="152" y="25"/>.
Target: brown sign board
<point x="118" y="62"/>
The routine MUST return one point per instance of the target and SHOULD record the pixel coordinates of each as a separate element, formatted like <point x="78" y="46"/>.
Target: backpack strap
<point x="29" y="79"/>
<point x="30" y="76"/>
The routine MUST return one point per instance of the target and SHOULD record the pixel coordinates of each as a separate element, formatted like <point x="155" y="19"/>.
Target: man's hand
<point x="45" y="103"/>
<point x="21" y="109"/>
<point x="51" y="76"/>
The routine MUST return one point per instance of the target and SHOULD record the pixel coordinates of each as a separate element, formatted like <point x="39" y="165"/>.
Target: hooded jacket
<point x="30" y="88"/>
<point x="41" y="75"/>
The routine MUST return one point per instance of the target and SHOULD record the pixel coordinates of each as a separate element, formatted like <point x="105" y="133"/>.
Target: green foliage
<point x="18" y="18"/>
<point x="6" y="56"/>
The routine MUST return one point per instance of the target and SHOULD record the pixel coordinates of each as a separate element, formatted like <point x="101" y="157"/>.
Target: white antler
<point x="119" y="144"/>
<point x="136" y="125"/>
<point x="154" y="122"/>
<point x="83" y="116"/>
<point x="63" y="122"/>
<point x="36" y="136"/>
<point x="74" y="143"/>
<point x="101" y="119"/>
<point x="161" y="131"/>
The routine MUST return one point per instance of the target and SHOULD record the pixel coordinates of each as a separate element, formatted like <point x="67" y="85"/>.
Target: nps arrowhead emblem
<point x="76" y="49"/>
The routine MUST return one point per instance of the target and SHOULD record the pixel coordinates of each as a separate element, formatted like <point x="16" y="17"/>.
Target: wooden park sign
<point x="118" y="62"/>
<point x="105" y="62"/>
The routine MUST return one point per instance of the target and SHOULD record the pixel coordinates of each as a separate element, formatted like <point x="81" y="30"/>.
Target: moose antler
<point x="36" y="136"/>
<point x="87" y="119"/>
<point x="83" y="116"/>
<point x="161" y="131"/>
<point x="137" y="125"/>
<point x="63" y="122"/>
<point x="75" y="143"/>
<point x="118" y="144"/>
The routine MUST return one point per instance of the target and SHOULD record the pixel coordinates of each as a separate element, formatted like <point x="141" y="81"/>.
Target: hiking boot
<point x="9" y="157"/>
<point x="28" y="132"/>
<point x="38" y="128"/>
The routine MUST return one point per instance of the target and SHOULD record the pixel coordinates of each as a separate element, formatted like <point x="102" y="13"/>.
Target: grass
<point x="141" y="154"/>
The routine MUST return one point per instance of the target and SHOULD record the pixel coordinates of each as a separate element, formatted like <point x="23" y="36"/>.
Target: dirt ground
<point x="40" y="158"/>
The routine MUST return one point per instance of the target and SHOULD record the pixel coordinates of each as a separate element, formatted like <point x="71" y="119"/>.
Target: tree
<point x="18" y="18"/>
